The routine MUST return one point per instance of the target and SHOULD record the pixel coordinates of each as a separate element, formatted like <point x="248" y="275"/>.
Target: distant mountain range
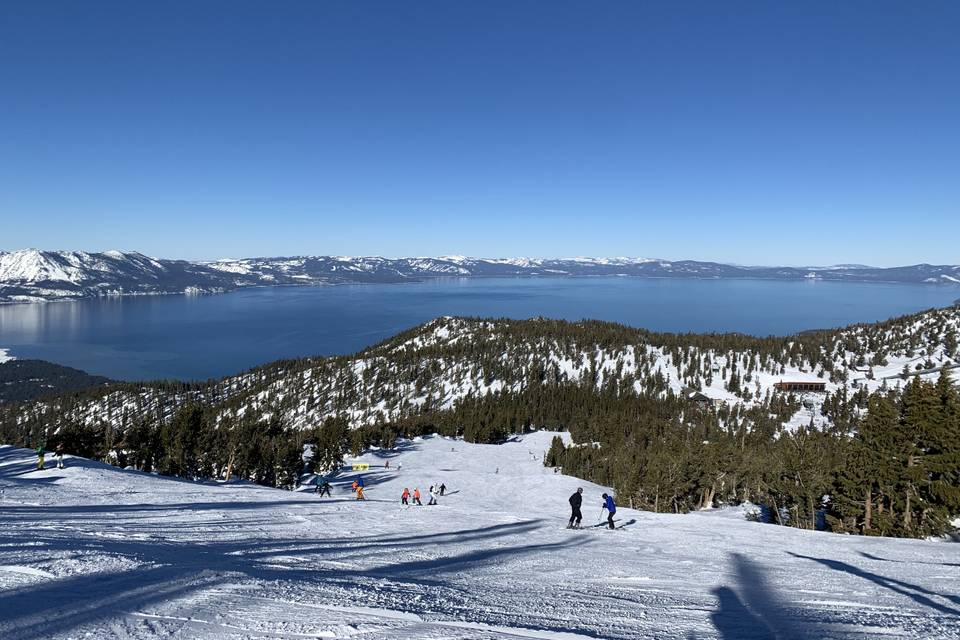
<point x="32" y="275"/>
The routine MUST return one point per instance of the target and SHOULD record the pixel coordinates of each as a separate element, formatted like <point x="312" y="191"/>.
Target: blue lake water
<point x="190" y="337"/>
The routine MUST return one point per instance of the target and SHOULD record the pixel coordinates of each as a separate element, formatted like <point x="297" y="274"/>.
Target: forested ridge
<point x="673" y="422"/>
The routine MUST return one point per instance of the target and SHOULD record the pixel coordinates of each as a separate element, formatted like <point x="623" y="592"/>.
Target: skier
<point x="416" y="496"/>
<point x="610" y="507"/>
<point x="399" y="466"/>
<point x="386" y="465"/>
<point x="360" y="495"/>
<point x="323" y="487"/>
<point x="405" y="497"/>
<point x="40" y="455"/>
<point x="355" y="486"/>
<point x="433" y="496"/>
<point x="575" y="516"/>
<point x="443" y="489"/>
<point x="59" y="454"/>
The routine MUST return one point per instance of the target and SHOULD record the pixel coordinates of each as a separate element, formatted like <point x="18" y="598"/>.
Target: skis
<point x="616" y="526"/>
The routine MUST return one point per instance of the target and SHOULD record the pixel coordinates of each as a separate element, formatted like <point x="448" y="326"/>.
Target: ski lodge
<point x="815" y="387"/>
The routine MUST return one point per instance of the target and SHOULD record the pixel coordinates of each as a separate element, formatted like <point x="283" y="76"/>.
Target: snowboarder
<point x="40" y="456"/>
<point x="433" y="496"/>
<point x="405" y="497"/>
<point x="416" y="496"/>
<point x="443" y="489"/>
<point x="59" y="454"/>
<point x="611" y="508"/>
<point x="575" y="516"/>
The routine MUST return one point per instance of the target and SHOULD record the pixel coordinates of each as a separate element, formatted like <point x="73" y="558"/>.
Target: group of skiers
<point x="576" y="500"/>
<point x="434" y="492"/>
<point x="42" y="454"/>
<point x="406" y="498"/>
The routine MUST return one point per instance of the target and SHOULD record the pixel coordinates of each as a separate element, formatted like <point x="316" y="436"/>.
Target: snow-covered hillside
<point x="450" y="360"/>
<point x="33" y="275"/>
<point x="93" y="551"/>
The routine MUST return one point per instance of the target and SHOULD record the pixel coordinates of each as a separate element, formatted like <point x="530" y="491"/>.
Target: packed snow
<point x="94" y="551"/>
<point x="5" y="356"/>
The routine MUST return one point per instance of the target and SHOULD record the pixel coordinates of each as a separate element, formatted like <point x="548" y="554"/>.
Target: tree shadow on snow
<point x="172" y="570"/>
<point x="918" y="594"/>
<point x="870" y="556"/>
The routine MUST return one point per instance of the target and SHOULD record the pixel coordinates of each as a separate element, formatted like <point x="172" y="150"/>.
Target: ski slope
<point x="97" y="552"/>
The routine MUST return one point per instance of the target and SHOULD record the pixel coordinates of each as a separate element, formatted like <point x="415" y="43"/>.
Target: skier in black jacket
<point x="575" y="516"/>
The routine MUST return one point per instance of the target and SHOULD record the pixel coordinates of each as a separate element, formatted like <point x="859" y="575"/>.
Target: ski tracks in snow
<point x="83" y="552"/>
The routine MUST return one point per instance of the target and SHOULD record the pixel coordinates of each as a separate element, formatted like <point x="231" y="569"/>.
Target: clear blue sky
<point x="748" y="132"/>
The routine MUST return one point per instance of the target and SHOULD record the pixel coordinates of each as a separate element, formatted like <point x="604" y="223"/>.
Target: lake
<point x="196" y="337"/>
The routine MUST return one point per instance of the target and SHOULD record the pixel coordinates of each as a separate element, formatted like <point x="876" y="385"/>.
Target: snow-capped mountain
<point x="33" y="275"/>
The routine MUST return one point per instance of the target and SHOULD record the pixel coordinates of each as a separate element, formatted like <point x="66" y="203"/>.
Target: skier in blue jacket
<point x="611" y="508"/>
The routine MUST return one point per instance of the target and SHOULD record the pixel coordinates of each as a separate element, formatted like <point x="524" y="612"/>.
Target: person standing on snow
<point x="59" y="454"/>
<point x="360" y="495"/>
<point x="323" y="487"/>
<point x="416" y="496"/>
<point x="575" y="516"/>
<point x="433" y="496"/>
<point x="405" y="497"/>
<point x="40" y="456"/>
<point x="443" y="489"/>
<point x="611" y="508"/>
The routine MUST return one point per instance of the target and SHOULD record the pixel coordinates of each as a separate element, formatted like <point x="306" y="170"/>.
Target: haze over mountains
<point x="32" y="275"/>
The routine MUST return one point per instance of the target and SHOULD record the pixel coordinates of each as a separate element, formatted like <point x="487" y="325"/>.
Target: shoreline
<point x="188" y="292"/>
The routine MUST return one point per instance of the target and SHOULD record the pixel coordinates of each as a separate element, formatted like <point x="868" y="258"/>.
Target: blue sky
<point x="748" y="132"/>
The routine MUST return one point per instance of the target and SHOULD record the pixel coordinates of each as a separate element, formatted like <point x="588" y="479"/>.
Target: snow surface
<point x="94" y="551"/>
<point x="5" y="356"/>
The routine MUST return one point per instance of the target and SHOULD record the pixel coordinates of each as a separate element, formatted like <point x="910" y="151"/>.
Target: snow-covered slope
<point x="92" y="551"/>
<point x="33" y="275"/>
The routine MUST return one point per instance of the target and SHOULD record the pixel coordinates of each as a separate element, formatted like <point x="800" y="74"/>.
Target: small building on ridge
<point x="811" y="387"/>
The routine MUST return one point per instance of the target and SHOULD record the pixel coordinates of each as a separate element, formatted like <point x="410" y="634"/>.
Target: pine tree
<point x="554" y="457"/>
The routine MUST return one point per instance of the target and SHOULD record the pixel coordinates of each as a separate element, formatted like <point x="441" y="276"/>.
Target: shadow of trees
<point x="173" y="570"/>
<point x="918" y="594"/>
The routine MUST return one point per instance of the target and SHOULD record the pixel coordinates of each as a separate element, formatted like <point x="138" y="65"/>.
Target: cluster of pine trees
<point x="893" y="472"/>
<point x="193" y="446"/>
